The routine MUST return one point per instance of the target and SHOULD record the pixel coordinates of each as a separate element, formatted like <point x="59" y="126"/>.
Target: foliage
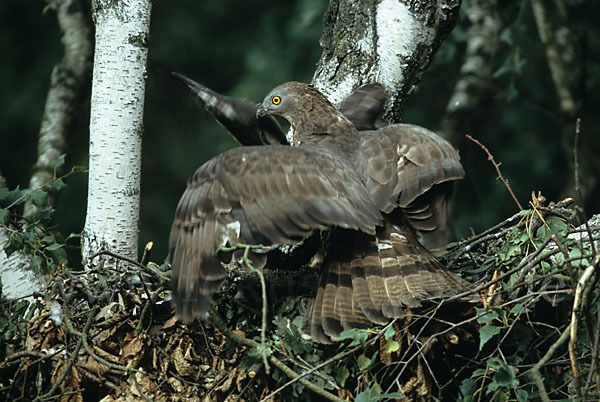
<point x="244" y="49"/>
<point x="40" y="239"/>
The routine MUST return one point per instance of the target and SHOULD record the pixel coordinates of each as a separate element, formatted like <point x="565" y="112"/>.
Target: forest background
<point x="243" y="49"/>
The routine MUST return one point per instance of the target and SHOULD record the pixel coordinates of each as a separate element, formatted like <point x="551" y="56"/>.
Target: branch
<point x="220" y="324"/>
<point x="562" y="50"/>
<point x="535" y="370"/>
<point x="578" y="305"/>
<point x="66" y="88"/>
<point x="497" y="167"/>
<point x="465" y="110"/>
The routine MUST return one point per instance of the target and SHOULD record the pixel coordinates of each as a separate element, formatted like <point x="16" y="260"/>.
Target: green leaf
<point x="486" y="333"/>
<point x="60" y="161"/>
<point x="54" y="247"/>
<point x="518" y="309"/>
<point x="372" y="394"/>
<point x="389" y="332"/>
<point x="504" y="375"/>
<point x="468" y="386"/>
<point x="358" y="337"/>
<point x="489" y="315"/>
<point x="342" y="374"/>
<point x="391" y="346"/>
<point x="37" y="261"/>
<point x="39" y="198"/>
<point x="57" y="185"/>
<point x="392" y="395"/>
<point x="4" y="216"/>
<point x="363" y="362"/>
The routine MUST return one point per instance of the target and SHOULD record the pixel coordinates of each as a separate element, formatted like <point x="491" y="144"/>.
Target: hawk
<point x="369" y="189"/>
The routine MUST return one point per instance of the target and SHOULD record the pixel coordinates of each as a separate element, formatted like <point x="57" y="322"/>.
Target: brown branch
<point x="578" y="305"/>
<point x="220" y="324"/>
<point x="497" y="167"/>
<point x="72" y="360"/>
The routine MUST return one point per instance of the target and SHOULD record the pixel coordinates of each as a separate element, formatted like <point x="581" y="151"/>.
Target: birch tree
<point x="391" y="42"/>
<point x="67" y="81"/>
<point x="117" y="104"/>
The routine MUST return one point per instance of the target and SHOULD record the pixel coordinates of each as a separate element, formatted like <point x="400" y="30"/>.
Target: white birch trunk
<point x="18" y="278"/>
<point x="390" y="42"/>
<point x="117" y="104"/>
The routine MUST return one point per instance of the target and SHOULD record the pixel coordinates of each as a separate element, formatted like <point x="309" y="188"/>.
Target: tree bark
<point x="564" y="52"/>
<point x="391" y="42"/>
<point x="18" y="279"/>
<point x="475" y="88"/>
<point x="66" y="87"/>
<point x="118" y="88"/>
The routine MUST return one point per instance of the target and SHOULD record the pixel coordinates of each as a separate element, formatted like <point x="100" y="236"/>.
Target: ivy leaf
<point x="389" y="332"/>
<point x="57" y="185"/>
<point x="39" y="198"/>
<point x="4" y="216"/>
<point x="60" y="161"/>
<point x="358" y="337"/>
<point x="486" y="333"/>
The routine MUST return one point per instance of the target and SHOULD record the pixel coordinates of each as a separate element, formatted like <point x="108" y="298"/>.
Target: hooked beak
<point x="261" y="112"/>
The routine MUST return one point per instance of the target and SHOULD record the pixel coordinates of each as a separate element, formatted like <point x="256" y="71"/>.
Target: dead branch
<point x="578" y="305"/>
<point x="497" y="167"/>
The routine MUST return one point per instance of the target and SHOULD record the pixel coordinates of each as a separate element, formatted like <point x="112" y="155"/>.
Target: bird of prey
<point x="366" y="188"/>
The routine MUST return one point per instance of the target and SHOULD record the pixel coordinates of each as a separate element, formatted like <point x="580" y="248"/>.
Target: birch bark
<point x="117" y="104"/>
<point x="391" y="42"/>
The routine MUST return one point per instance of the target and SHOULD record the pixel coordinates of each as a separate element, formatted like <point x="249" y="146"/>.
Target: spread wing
<point x="410" y="167"/>
<point x="236" y="115"/>
<point x="381" y="277"/>
<point x="259" y="195"/>
<point x="363" y="106"/>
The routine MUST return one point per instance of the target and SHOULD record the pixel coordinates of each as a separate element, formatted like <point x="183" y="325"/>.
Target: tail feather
<point x="385" y="275"/>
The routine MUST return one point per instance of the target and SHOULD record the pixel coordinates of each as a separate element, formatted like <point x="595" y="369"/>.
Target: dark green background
<point x="245" y="48"/>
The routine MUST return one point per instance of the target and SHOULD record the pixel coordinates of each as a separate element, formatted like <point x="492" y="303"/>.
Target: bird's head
<point x="312" y="116"/>
<point x="284" y="100"/>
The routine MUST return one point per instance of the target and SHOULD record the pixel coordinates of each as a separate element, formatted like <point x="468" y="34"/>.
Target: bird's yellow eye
<point x="276" y="100"/>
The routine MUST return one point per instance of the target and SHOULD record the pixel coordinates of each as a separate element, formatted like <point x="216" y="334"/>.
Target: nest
<point x="111" y="334"/>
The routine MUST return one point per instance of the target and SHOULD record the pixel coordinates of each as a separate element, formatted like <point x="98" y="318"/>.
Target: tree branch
<point x="66" y="88"/>
<point x="497" y="167"/>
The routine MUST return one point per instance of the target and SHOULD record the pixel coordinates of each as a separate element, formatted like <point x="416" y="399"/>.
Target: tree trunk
<point x="391" y="42"/>
<point x="118" y="88"/>
<point x="64" y="96"/>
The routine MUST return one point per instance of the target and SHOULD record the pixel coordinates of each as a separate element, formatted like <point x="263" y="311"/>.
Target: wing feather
<point x="249" y="194"/>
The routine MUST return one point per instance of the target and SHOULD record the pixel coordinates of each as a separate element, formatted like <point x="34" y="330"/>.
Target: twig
<point x="497" y="167"/>
<point x="263" y="287"/>
<point x="72" y="360"/>
<point x="146" y="268"/>
<point x="577" y="306"/>
<point x="218" y="321"/>
<point x="535" y="370"/>
<point x="531" y="261"/>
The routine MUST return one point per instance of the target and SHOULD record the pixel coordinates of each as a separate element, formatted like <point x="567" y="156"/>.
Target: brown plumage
<point x="365" y="186"/>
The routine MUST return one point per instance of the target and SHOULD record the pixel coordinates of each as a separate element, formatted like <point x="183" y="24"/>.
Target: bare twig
<point x="72" y="359"/>
<point x="497" y="167"/>
<point x="535" y="370"/>
<point x="218" y="321"/>
<point x="577" y="306"/>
